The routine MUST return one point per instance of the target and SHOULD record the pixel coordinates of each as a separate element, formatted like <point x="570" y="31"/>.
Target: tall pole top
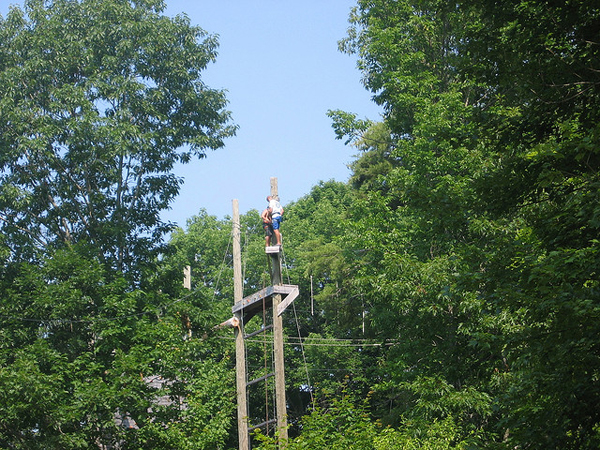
<point x="237" y="259"/>
<point x="274" y="189"/>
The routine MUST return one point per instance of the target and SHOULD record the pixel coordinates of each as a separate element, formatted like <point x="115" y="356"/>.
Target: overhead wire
<point x="125" y="316"/>
<point x="324" y="342"/>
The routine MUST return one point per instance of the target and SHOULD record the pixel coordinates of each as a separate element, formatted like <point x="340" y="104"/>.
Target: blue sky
<point x="279" y="63"/>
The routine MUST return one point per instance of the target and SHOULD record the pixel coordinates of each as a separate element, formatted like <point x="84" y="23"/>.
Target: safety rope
<point x="312" y="402"/>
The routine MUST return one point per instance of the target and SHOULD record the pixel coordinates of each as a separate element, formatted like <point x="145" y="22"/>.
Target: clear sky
<point x="279" y="63"/>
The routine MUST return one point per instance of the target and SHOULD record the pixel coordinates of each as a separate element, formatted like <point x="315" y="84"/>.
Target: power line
<point x="96" y="319"/>
<point x="325" y="342"/>
<point x="127" y="316"/>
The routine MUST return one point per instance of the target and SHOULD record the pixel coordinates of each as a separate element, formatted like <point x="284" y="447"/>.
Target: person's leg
<point x="268" y="233"/>
<point x="276" y="229"/>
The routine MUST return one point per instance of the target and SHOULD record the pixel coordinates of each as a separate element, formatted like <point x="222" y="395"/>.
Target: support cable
<point x="312" y="402"/>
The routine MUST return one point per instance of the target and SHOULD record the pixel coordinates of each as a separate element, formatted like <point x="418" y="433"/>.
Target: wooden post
<point x="280" y="398"/>
<point x="240" y="353"/>
<point x="187" y="277"/>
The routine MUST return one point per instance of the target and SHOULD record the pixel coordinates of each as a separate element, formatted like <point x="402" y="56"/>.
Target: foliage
<point x="97" y="100"/>
<point x="488" y="214"/>
<point x="345" y="424"/>
<point x="449" y="292"/>
<point x="69" y="382"/>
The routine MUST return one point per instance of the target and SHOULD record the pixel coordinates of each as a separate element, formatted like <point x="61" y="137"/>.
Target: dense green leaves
<point x="449" y="292"/>
<point x="480" y="215"/>
<point x="97" y="100"/>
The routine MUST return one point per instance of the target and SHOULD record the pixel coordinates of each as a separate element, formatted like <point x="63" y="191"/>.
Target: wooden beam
<point x="240" y="350"/>
<point x="187" y="277"/>
<point x="263" y="424"/>
<point x="278" y="355"/>
<point x="255" y="300"/>
<point x="259" y="379"/>
<point x="287" y="301"/>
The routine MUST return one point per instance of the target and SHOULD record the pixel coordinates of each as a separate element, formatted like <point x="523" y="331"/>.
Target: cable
<point x="127" y="316"/>
<point x="299" y="335"/>
<point x="98" y="319"/>
<point x="222" y="265"/>
<point x="335" y="343"/>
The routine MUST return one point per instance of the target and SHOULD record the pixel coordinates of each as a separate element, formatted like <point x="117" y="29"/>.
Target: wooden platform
<point x="254" y="303"/>
<point x="273" y="249"/>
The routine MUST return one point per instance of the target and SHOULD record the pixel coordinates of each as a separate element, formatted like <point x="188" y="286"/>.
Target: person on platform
<point x="276" y="211"/>
<point x="267" y="225"/>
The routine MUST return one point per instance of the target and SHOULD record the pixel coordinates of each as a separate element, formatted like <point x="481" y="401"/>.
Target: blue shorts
<point x="276" y="220"/>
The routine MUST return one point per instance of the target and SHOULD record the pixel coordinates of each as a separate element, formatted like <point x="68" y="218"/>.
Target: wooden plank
<point x="266" y="293"/>
<point x="287" y="301"/>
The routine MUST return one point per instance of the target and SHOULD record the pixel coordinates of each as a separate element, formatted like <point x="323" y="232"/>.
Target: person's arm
<point x="266" y="215"/>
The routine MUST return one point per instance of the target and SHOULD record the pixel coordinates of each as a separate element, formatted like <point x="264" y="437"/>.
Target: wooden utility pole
<point x="240" y="349"/>
<point x="280" y="398"/>
<point x="187" y="277"/>
<point x="243" y="310"/>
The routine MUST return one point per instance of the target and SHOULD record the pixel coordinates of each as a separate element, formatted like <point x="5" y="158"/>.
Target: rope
<point x="312" y="402"/>
<point x="222" y="265"/>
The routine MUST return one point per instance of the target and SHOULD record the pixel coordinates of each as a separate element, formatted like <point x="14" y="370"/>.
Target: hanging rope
<point x="264" y="326"/>
<point x="299" y="336"/>
<point x="222" y="265"/>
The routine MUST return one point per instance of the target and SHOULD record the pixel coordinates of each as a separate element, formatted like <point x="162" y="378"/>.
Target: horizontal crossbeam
<point x="259" y="379"/>
<point x="253" y="303"/>
<point x="262" y="330"/>
<point x="260" y="425"/>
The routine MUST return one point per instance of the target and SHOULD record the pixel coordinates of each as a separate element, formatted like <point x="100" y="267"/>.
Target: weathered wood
<point x="233" y="322"/>
<point x="187" y="277"/>
<point x="278" y="356"/>
<point x="240" y="351"/>
<point x="254" y="301"/>
<point x="287" y="301"/>
<point x="274" y="188"/>
<point x="278" y="360"/>
<point x="244" y="309"/>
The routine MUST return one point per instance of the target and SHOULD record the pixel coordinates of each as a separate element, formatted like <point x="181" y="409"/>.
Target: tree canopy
<point x="449" y="293"/>
<point x="98" y="101"/>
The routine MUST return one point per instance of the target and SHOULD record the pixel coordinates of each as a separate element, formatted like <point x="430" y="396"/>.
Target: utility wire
<point x="126" y="316"/>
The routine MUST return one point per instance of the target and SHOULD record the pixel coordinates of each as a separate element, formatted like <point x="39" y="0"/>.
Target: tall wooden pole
<point x="240" y="353"/>
<point x="280" y="400"/>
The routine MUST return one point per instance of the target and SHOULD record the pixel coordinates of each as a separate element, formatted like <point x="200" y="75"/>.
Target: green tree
<point x="79" y="354"/>
<point x="98" y="101"/>
<point x="490" y="217"/>
<point x="541" y="136"/>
